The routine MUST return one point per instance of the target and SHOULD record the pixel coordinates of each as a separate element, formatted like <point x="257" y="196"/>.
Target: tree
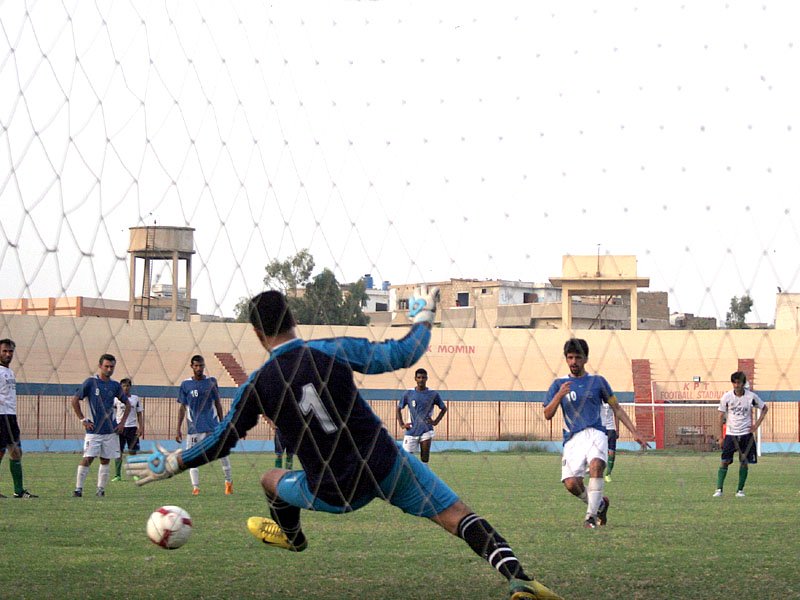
<point x="284" y="275"/>
<point x="355" y="297"/>
<point x="290" y="274"/>
<point x="324" y="302"/>
<point x="734" y="319"/>
<point x="242" y="310"/>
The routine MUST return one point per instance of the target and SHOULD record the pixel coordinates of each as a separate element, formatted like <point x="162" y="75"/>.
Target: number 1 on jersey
<point x="312" y="403"/>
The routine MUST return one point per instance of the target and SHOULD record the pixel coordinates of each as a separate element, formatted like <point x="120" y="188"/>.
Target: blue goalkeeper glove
<point x="161" y="464"/>
<point x="423" y="308"/>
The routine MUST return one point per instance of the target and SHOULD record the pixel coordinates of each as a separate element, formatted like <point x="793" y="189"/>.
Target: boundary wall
<point x="493" y="379"/>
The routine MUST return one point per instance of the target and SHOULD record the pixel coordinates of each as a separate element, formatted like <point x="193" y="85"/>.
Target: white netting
<point x="415" y="142"/>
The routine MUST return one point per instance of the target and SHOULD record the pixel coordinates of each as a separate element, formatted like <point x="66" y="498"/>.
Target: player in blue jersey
<point x="101" y="426"/>
<point x="581" y="397"/>
<point x="420" y="402"/>
<point x="201" y="407"/>
<point x="307" y="391"/>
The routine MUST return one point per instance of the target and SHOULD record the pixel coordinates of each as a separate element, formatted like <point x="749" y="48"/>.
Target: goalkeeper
<point x="306" y="389"/>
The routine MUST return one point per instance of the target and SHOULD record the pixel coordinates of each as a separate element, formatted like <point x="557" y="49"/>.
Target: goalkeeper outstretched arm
<point x="622" y="416"/>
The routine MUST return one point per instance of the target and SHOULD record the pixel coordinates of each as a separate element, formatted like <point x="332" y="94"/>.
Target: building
<point x="689" y="321"/>
<point x="603" y="293"/>
<point x="477" y="303"/>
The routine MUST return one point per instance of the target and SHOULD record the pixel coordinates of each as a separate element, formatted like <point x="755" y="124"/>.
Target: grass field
<point x="666" y="537"/>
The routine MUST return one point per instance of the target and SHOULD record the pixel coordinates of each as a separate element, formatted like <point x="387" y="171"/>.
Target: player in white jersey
<point x="134" y="425"/>
<point x="9" y="428"/>
<point x="580" y="397"/>
<point x="736" y="412"/>
<point x="611" y="423"/>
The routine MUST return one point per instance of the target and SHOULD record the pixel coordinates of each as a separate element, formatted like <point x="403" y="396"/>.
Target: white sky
<point x="415" y="140"/>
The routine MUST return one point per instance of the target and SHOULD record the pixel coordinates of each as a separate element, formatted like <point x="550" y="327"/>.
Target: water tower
<point x="160" y="243"/>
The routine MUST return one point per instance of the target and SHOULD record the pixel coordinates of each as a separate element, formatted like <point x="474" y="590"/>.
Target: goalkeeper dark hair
<point x="576" y="346"/>
<point x="270" y="313"/>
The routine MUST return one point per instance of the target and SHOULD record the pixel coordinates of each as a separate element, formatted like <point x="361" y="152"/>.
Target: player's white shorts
<point x="580" y="450"/>
<point x="104" y="445"/>
<point x="195" y="438"/>
<point x="411" y="442"/>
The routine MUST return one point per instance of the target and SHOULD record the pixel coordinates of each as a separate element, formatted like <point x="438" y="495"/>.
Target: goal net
<point x="623" y="174"/>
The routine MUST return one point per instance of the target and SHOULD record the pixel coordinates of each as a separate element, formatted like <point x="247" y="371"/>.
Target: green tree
<point x="353" y="301"/>
<point x="325" y="303"/>
<point x="242" y="310"/>
<point x="284" y="275"/>
<point x="290" y="274"/>
<point x="734" y="318"/>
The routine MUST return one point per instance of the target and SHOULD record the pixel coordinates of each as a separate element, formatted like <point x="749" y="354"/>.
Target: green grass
<point x="666" y="538"/>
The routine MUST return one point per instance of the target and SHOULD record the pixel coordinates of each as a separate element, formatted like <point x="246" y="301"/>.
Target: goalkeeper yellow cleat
<point x="269" y="532"/>
<point x="531" y="590"/>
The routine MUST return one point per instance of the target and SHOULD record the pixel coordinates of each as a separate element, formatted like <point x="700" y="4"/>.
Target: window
<point x="402" y="304"/>
<point x="530" y="298"/>
<point x="462" y="299"/>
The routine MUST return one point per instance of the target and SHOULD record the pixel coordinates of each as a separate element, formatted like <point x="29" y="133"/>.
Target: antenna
<point x="597" y="274"/>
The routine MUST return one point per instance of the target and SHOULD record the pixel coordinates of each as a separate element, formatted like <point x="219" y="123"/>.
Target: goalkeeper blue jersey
<point x="101" y="395"/>
<point x="306" y="389"/>
<point x="199" y="396"/>
<point x="581" y="406"/>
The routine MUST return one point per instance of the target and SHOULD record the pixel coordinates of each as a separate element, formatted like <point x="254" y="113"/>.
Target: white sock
<point x="226" y="467"/>
<point x="102" y="476"/>
<point x="194" y="475"/>
<point x="595" y="494"/>
<point x="82" y="473"/>
<point x="583" y="497"/>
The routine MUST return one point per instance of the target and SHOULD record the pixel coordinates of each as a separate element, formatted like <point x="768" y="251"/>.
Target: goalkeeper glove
<point x="161" y="464"/>
<point x="423" y="308"/>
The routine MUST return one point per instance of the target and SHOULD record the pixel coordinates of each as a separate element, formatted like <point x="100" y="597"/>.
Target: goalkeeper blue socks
<point x="490" y="545"/>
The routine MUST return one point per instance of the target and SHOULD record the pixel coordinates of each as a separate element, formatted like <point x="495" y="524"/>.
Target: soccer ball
<point x="169" y="527"/>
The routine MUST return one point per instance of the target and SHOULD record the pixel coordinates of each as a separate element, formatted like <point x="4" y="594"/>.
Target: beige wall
<point x="65" y="350"/>
<point x="787" y="312"/>
<point x="65" y="306"/>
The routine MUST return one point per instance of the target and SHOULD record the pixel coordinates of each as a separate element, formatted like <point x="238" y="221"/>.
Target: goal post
<point x="687" y="425"/>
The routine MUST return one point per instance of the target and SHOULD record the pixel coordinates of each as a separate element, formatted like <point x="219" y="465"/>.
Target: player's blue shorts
<point x="410" y="486"/>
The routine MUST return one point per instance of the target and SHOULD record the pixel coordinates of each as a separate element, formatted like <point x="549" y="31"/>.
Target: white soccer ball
<point x="169" y="527"/>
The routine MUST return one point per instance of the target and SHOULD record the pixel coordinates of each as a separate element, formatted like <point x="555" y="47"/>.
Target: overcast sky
<point x="415" y="140"/>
